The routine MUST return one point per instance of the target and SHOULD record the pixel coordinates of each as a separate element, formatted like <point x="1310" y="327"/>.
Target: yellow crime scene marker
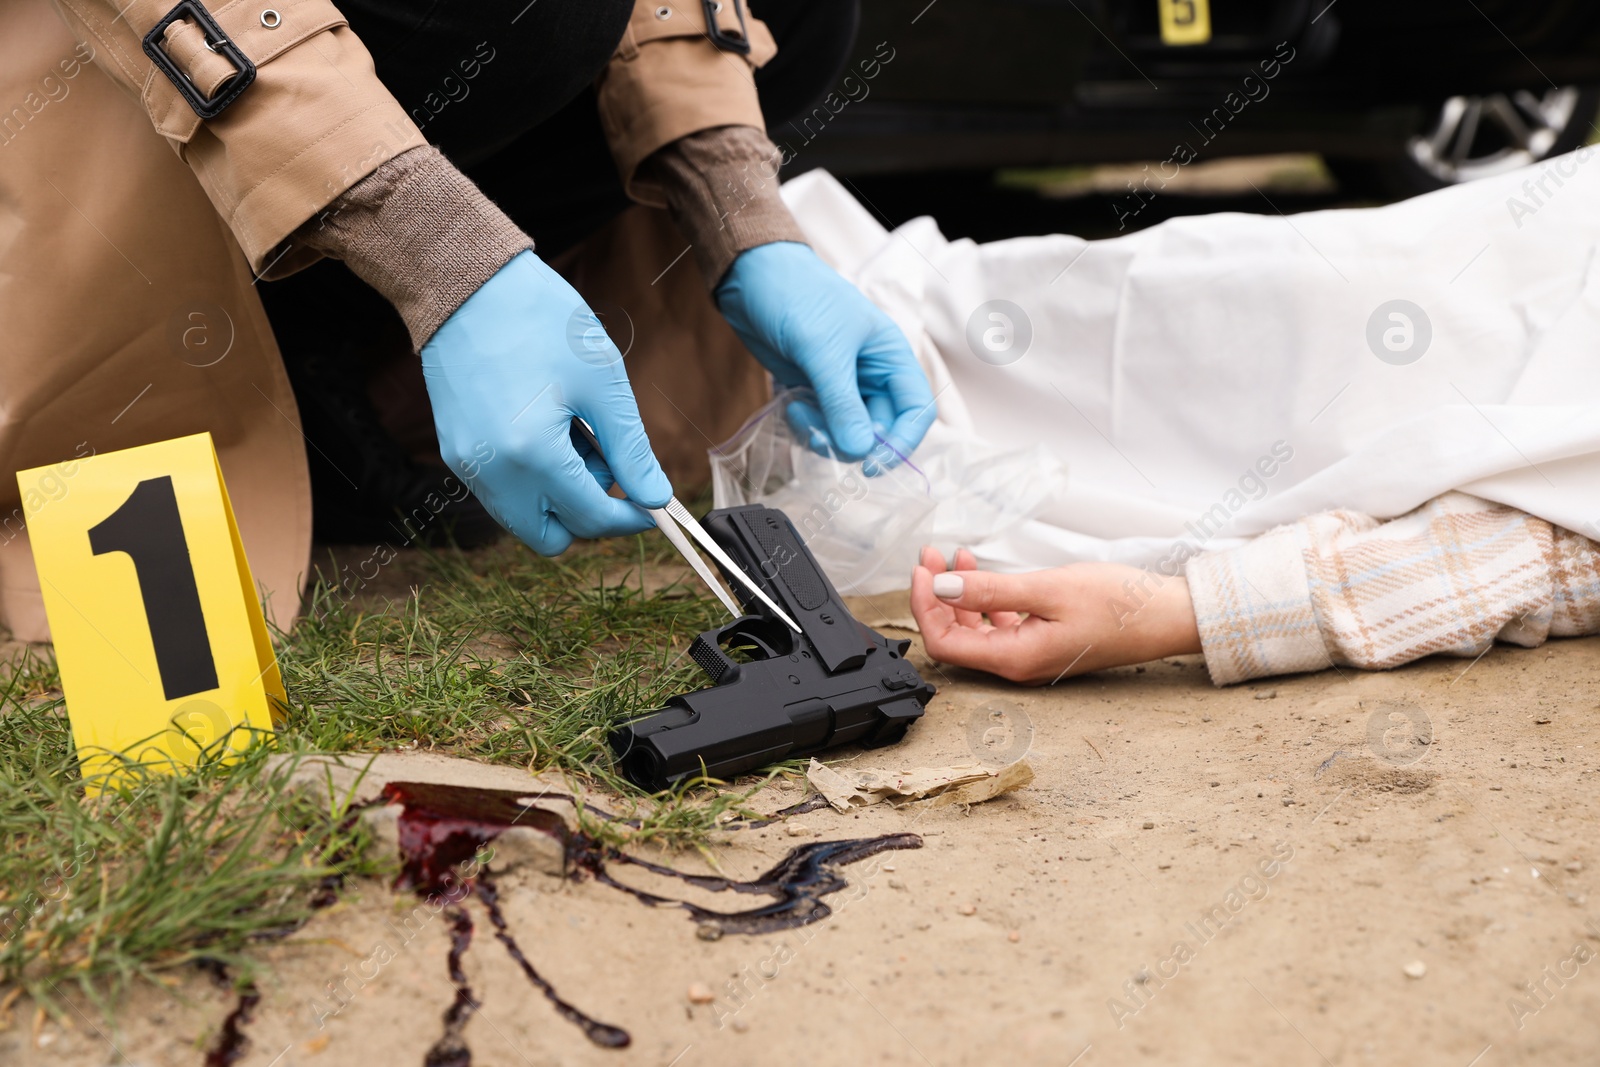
<point x="1185" y="21"/>
<point x="163" y="650"/>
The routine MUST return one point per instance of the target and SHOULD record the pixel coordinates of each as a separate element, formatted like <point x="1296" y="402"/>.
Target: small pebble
<point x="1163" y="866"/>
<point x="1205" y="718"/>
<point x="700" y="993"/>
<point x="895" y="883"/>
<point x="968" y="909"/>
<point x="1574" y="867"/>
<point x="1215" y="784"/>
<point x="1149" y="826"/>
<point x="1287" y="801"/>
<point x="1496" y="788"/>
<point x="797" y="831"/>
<point x="1363" y="838"/>
<point x="1014" y="936"/>
<point x="888" y="866"/>
<point x="708" y="931"/>
<point x="1267" y="694"/>
<point x="1415" y="969"/>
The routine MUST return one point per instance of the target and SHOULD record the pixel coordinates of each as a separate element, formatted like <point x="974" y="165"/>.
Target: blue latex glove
<point x="809" y="326"/>
<point x="506" y="374"/>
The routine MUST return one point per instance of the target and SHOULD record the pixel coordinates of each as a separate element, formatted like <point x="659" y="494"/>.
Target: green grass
<point x="154" y="874"/>
<point x="502" y="656"/>
<point x="498" y="655"/>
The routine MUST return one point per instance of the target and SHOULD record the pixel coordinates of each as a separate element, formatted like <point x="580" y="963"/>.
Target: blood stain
<point x="443" y="829"/>
<point x="231" y="1042"/>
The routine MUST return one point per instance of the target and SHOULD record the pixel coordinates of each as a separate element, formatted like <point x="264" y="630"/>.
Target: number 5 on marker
<point x="1185" y="21"/>
<point x="160" y="639"/>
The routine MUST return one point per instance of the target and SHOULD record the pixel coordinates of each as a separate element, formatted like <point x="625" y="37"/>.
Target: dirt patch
<point x="1367" y="775"/>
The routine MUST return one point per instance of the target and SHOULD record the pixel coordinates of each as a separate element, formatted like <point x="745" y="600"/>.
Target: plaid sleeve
<point x="1577" y="585"/>
<point x="1341" y="588"/>
<point x="1254" y="610"/>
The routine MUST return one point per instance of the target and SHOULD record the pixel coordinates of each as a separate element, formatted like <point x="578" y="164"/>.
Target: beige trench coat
<point x="132" y="233"/>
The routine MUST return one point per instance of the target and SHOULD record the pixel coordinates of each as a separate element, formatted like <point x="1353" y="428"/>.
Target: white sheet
<point x="1164" y="365"/>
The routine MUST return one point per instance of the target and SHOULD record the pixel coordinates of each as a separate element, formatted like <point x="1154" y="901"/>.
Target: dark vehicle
<point x="1399" y="96"/>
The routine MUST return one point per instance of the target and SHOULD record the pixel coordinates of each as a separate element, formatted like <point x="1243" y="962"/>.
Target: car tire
<point x="1472" y="137"/>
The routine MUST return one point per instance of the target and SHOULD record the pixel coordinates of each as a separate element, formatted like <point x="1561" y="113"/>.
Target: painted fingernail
<point x="948" y="586"/>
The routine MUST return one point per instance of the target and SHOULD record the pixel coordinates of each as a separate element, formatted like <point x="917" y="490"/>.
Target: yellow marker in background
<point x="158" y="633"/>
<point x="1185" y="21"/>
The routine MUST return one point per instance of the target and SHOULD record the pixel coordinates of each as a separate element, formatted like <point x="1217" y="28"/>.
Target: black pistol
<point x="835" y="683"/>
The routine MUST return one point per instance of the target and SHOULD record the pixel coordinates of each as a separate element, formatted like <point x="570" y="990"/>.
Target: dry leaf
<point x="961" y="784"/>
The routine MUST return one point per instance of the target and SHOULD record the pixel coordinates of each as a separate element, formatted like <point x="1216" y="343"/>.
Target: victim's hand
<point x="1050" y="624"/>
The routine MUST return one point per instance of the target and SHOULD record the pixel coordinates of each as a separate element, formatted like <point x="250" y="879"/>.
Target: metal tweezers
<point x="672" y="520"/>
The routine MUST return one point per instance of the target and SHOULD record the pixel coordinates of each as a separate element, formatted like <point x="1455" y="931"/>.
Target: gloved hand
<point x="506" y="374"/>
<point x="809" y="326"/>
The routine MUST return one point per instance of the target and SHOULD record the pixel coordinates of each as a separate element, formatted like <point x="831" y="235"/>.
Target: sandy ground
<point x="1190" y="879"/>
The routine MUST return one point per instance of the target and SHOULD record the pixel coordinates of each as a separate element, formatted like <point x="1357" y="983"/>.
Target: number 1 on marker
<point x="148" y="529"/>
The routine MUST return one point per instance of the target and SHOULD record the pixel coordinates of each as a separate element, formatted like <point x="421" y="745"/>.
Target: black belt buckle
<point x="727" y="41"/>
<point x="216" y="41"/>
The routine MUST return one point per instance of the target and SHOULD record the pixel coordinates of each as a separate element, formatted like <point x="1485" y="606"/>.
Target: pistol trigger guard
<point x="769" y="635"/>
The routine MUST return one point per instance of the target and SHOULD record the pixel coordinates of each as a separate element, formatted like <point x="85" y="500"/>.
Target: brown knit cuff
<point x="419" y="232"/>
<point x="721" y="186"/>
